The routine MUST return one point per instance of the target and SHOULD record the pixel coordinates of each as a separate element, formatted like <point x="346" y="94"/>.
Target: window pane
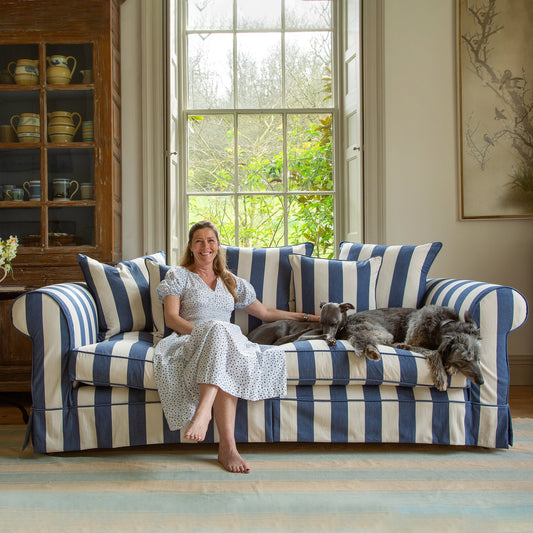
<point x="260" y="153"/>
<point x="258" y="14"/>
<point x="210" y="15"/>
<point x="261" y="221"/>
<point x="218" y="209"/>
<point x="303" y="14"/>
<point x="259" y="70"/>
<point x="309" y="152"/>
<point x="210" y="63"/>
<point x="311" y="218"/>
<point x="210" y="153"/>
<point x="308" y="62"/>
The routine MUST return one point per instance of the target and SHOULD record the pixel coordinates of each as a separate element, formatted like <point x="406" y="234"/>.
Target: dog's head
<point x="333" y="319"/>
<point x="461" y="353"/>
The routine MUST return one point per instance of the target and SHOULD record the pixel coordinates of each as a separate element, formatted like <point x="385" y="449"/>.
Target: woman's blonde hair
<point x="219" y="264"/>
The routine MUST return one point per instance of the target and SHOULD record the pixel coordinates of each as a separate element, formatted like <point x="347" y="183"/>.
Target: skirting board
<point x="521" y="369"/>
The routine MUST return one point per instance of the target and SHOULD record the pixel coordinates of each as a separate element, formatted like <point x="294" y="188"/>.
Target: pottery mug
<point x="87" y="191"/>
<point x="62" y="189"/>
<point x="6" y="134"/>
<point x="8" y="192"/>
<point x="18" y="194"/>
<point x="33" y="188"/>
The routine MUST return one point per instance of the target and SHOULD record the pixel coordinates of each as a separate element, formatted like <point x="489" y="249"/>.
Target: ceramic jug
<point x="61" y="126"/>
<point x="27" y="127"/>
<point x="24" y="71"/>
<point x="58" y="71"/>
<point x="33" y="188"/>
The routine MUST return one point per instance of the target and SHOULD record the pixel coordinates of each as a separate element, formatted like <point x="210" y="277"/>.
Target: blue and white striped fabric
<point x="403" y="273"/>
<point x="156" y="274"/>
<point x="269" y="272"/>
<point x="336" y="399"/>
<point x="121" y="293"/>
<point x="330" y="280"/>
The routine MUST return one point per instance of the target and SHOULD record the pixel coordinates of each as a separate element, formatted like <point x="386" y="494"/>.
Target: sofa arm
<point x="57" y="318"/>
<point x="498" y="310"/>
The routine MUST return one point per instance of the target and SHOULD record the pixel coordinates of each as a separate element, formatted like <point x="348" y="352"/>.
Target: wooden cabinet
<point x="60" y="136"/>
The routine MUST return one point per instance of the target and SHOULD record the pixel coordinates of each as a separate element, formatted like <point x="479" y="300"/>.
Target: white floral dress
<point x="216" y="352"/>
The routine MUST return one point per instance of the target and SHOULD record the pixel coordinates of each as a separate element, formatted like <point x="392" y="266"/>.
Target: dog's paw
<point x="331" y="341"/>
<point x="372" y="353"/>
<point x="441" y="383"/>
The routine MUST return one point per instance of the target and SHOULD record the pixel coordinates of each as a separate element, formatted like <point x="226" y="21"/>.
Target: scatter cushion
<point x="404" y="269"/>
<point x="156" y="274"/>
<point x="121" y="292"/>
<point x="330" y="280"/>
<point x="269" y="272"/>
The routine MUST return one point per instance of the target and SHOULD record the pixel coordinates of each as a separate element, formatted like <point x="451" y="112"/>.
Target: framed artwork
<point x="495" y="104"/>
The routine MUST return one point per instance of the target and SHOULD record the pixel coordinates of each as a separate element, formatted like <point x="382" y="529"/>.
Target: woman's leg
<point x="224" y="408"/>
<point x="197" y="427"/>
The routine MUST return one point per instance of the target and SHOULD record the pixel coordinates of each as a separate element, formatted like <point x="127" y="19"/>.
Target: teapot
<point x="24" y="71"/>
<point x="58" y="71"/>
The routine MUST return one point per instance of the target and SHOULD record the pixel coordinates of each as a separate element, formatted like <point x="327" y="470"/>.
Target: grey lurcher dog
<point x="449" y="344"/>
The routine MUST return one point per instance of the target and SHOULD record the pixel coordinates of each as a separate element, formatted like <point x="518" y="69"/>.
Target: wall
<point x="421" y="162"/>
<point x="421" y="194"/>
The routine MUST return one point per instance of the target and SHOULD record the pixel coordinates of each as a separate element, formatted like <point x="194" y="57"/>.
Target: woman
<point x="207" y="363"/>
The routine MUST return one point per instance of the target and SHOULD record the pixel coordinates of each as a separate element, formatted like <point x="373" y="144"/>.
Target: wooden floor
<point x="520" y="399"/>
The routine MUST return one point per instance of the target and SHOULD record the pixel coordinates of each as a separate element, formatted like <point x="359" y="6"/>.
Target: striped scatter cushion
<point x="330" y="280"/>
<point x="156" y="274"/>
<point x="121" y="293"/>
<point x="403" y="273"/>
<point x="269" y="272"/>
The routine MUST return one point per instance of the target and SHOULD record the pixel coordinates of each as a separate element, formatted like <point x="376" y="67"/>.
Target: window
<point x="256" y="114"/>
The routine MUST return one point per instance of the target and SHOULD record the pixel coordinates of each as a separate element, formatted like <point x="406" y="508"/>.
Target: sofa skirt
<point x="111" y="417"/>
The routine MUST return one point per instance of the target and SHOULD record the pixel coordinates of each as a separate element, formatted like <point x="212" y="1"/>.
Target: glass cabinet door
<point x="47" y="144"/>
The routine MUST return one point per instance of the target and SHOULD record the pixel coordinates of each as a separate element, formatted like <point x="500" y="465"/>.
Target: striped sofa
<point x="93" y="381"/>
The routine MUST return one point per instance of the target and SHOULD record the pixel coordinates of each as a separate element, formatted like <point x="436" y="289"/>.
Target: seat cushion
<point x="126" y="360"/>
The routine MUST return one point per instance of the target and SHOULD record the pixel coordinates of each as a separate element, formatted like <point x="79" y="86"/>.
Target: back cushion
<point x="330" y="280"/>
<point x="269" y="272"/>
<point x="121" y="292"/>
<point x="403" y="273"/>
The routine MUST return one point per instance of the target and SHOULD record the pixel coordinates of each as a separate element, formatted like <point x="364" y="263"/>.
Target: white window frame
<point x="159" y="202"/>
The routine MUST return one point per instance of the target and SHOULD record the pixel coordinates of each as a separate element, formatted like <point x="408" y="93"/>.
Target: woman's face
<point x="204" y="246"/>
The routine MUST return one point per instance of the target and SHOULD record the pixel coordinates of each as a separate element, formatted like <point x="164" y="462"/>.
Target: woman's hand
<point x="268" y="314"/>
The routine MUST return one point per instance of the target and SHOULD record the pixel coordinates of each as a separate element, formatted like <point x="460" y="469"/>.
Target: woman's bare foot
<point x="197" y="427"/>
<point x="231" y="460"/>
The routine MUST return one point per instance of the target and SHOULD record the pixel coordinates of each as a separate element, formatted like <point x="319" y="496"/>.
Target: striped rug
<point x="292" y="487"/>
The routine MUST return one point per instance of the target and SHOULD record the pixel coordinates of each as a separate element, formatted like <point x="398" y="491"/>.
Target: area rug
<point x="292" y="487"/>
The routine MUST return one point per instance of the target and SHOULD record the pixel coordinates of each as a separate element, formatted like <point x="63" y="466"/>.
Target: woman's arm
<point x="173" y="320"/>
<point x="268" y="314"/>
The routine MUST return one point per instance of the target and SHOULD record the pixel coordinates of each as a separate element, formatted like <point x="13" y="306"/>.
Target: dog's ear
<point x="469" y="319"/>
<point x="322" y="304"/>
<point x="345" y="306"/>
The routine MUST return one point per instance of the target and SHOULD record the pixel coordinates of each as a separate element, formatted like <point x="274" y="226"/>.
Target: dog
<point x="332" y="319"/>
<point x="449" y="344"/>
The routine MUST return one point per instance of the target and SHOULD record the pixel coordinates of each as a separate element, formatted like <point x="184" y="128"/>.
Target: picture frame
<point x="495" y="108"/>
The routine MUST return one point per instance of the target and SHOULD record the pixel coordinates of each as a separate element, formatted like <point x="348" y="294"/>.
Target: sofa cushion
<point x="156" y="274"/>
<point x="126" y="360"/>
<point x="330" y="280"/>
<point x="269" y="272"/>
<point x="121" y="293"/>
<point x="404" y="269"/>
